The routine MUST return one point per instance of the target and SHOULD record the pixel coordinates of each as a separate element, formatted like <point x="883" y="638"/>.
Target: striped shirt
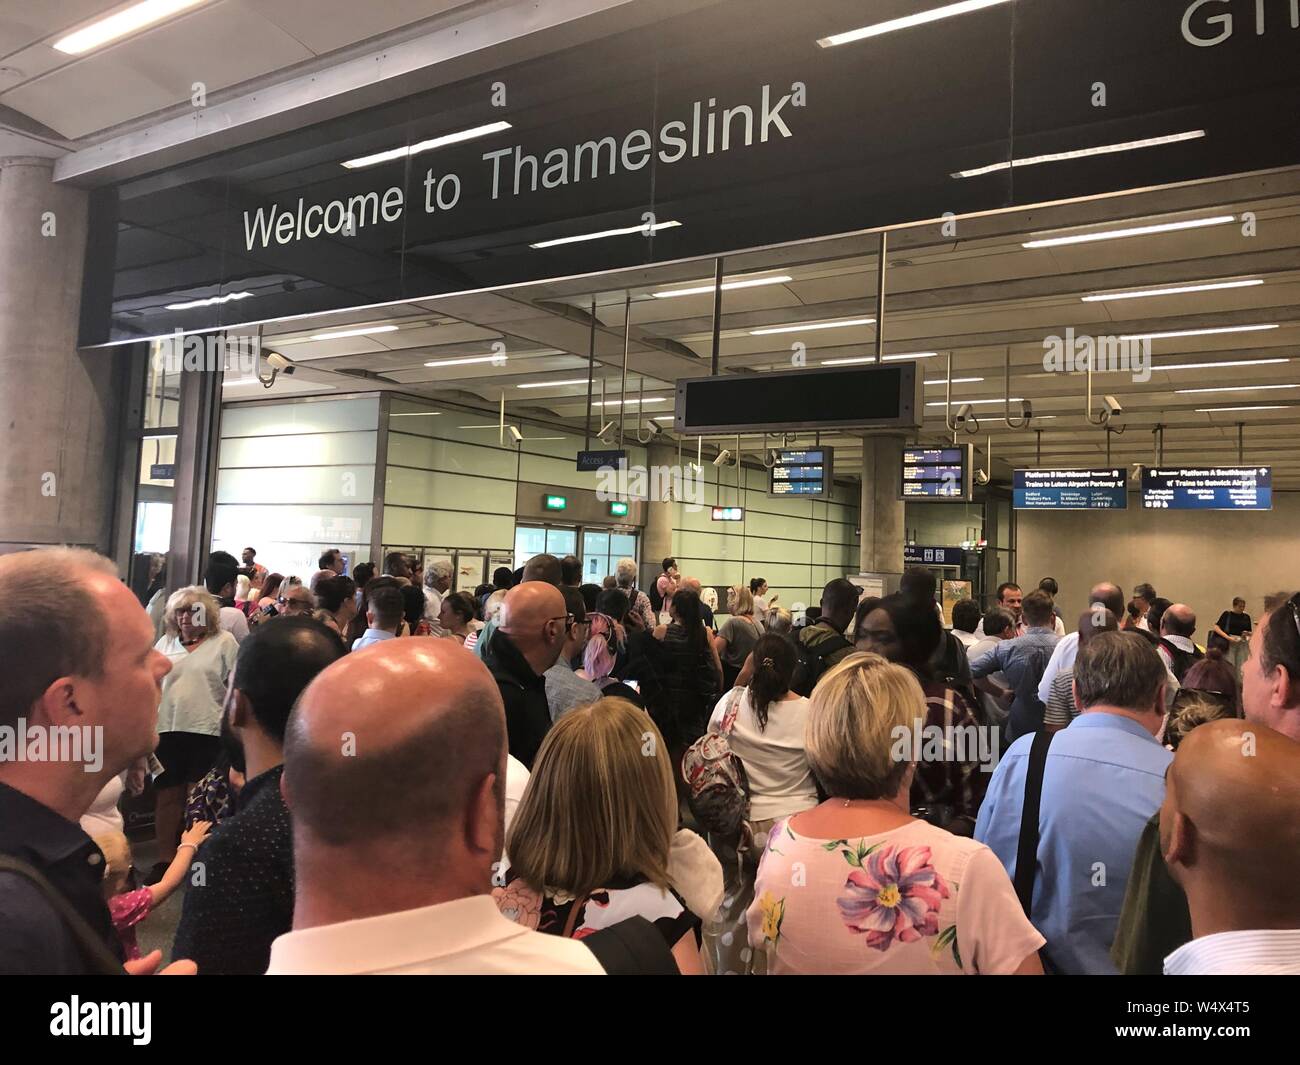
<point x="1268" y="952"/>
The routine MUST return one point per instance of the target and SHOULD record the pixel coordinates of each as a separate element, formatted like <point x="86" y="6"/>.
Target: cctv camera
<point x="1112" y="406"/>
<point x="516" y="434"/>
<point x="655" y="428"/>
<point x="965" y="417"/>
<point x="723" y="459"/>
<point x="279" y="363"/>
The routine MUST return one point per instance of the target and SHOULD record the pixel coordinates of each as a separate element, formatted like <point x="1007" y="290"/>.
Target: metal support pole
<point x="1241" y="443"/>
<point x="717" y="314"/>
<point x="1039" y="434"/>
<point x="882" y="267"/>
<point x="591" y="371"/>
<point x="627" y="340"/>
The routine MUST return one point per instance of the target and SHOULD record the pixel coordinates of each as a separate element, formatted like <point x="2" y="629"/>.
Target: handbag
<point x="717" y="785"/>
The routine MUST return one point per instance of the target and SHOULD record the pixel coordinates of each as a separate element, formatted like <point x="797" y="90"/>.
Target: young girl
<point x="129" y="908"/>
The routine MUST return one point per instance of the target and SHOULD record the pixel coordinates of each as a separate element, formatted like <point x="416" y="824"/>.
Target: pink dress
<point x="127" y="911"/>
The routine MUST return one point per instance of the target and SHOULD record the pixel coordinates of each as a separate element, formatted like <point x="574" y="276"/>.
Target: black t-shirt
<point x="1234" y="624"/>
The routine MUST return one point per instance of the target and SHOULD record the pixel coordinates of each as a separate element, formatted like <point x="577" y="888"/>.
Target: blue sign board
<point x="933" y="556"/>
<point x="937" y="473"/>
<point x="1208" y="488"/>
<point x="1070" y="489"/>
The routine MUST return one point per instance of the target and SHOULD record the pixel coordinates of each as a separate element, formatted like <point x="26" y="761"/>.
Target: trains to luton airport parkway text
<point x="515" y="172"/>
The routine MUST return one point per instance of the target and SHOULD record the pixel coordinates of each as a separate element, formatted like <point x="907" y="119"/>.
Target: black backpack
<point x="811" y="662"/>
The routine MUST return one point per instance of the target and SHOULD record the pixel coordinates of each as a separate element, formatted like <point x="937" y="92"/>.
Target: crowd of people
<point x="375" y="773"/>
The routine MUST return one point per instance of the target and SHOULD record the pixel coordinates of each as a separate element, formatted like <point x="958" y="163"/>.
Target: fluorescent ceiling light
<point x="955" y="381"/>
<point x="1216" y="365"/>
<point x="908" y="21"/>
<point x="1132" y="231"/>
<point x="808" y="327"/>
<point x="119" y="24"/>
<point x="1083" y="153"/>
<point x="492" y="426"/>
<point x="619" y="402"/>
<point x="553" y="384"/>
<point x="1208" y="286"/>
<point x="605" y="233"/>
<point x="473" y="361"/>
<point x="424" y="146"/>
<point x="1198" y="332"/>
<point x="420" y="414"/>
<point x="871" y="358"/>
<point x="663" y="417"/>
<point x="1226" y="410"/>
<point x="727" y="286"/>
<point x="209" y="302"/>
<point x="355" y="332"/>
<point x="1232" y="388"/>
<point x="973" y="402"/>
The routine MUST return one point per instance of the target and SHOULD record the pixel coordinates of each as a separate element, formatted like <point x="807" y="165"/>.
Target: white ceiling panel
<point x="328" y="25"/>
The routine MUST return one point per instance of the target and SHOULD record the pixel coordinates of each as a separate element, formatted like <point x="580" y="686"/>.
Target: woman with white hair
<point x="625" y="577"/>
<point x="437" y="583"/>
<point x="189" y="715"/>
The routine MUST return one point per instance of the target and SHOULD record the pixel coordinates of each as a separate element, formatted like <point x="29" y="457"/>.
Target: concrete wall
<point x="1201" y="558"/>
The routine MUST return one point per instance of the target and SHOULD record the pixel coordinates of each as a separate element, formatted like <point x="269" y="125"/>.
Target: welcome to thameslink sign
<point x="511" y="172"/>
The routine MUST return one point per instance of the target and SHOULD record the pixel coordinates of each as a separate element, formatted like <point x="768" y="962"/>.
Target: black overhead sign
<point x="725" y="127"/>
<point x="592" y="461"/>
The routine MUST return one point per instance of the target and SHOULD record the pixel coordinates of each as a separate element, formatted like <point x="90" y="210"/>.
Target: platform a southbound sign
<point x="1208" y="488"/>
<point x="1070" y="489"/>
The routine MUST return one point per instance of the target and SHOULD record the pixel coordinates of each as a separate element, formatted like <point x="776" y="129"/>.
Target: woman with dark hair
<point x="764" y="724"/>
<point x="503" y="578"/>
<point x="413" y="603"/>
<point x="946" y="792"/>
<point x="336" y="604"/>
<point x="1212" y="679"/>
<point x="456" y="616"/>
<point x="693" y="674"/>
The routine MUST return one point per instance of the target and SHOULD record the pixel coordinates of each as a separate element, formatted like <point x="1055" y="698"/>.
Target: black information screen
<point x="936" y="473"/>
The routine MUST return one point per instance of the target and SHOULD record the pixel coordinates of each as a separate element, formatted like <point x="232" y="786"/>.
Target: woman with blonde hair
<point x="857" y="885"/>
<point x="189" y="715"/>
<point x="737" y="636"/>
<point x="593" y="837"/>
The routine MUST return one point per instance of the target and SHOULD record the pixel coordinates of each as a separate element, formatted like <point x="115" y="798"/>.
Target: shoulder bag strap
<point x="1027" y="851"/>
<point x="92" y="948"/>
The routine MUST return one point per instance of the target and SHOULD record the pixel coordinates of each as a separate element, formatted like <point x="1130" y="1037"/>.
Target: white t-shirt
<point x="912" y="901"/>
<point x="780" y="782"/>
<point x="234" y="622"/>
<point x="104" y="818"/>
<point x="194" y="691"/>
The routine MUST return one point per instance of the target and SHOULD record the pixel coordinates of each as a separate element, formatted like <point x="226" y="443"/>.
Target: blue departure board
<point x="1070" y="489"/>
<point x="939" y="474"/>
<point x="804" y="472"/>
<point x="1208" y="488"/>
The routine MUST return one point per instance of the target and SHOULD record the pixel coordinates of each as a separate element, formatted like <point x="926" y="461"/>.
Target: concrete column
<point x="58" y="409"/>
<point x="882" y="510"/>
<point x="657" y="537"/>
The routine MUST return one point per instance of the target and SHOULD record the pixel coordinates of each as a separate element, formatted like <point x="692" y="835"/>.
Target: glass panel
<point x="561" y="542"/>
<point x="595" y="556"/>
<point x="621" y="545"/>
<point x="529" y="541"/>
<point x="162" y="393"/>
<point x="157" y="451"/>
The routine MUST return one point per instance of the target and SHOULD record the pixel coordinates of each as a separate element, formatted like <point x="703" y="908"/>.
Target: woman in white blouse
<point x="189" y="715"/>
<point x="858" y="886"/>
<point x="768" y="737"/>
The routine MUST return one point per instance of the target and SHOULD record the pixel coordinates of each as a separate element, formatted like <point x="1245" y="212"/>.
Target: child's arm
<point x="175" y="875"/>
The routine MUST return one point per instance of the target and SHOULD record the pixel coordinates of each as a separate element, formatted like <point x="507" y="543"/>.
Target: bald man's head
<point x="391" y="745"/>
<point x="691" y="584"/>
<point x="545" y="568"/>
<point x="1111" y="596"/>
<point x="534" y="616"/>
<point x="1178" y="620"/>
<point x="1230" y="824"/>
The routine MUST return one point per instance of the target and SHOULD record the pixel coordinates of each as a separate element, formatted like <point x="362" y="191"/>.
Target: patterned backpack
<point x="718" y="788"/>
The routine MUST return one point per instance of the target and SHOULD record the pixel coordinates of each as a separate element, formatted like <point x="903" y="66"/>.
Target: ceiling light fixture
<point x="209" y="302"/>
<point x="619" y="402"/>
<point x="1227" y="410"/>
<point x="472" y="361"/>
<point x="1083" y="153"/>
<point x="1216" y="365"/>
<point x="120" y="23"/>
<point x="727" y="286"/>
<point x="418" y="414"/>
<point x="1132" y="231"/>
<point x="553" y="384"/>
<point x="367" y="331"/>
<point x="857" y="360"/>
<point x="1198" y="332"/>
<point x="605" y="233"/>
<point x="954" y="381"/>
<point x="1232" y="388"/>
<point x="973" y="402"/>
<point x="907" y="22"/>
<point x="1207" y="286"/>
<point x="808" y="327"/>
<point x="429" y="145"/>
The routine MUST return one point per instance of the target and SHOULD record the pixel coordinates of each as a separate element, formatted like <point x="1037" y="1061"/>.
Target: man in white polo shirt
<point x="397" y="879"/>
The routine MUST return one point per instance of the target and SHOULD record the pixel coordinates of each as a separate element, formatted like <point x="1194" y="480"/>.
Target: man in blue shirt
<point x="1022" y="661"/>
<point x="1105" y="777"/>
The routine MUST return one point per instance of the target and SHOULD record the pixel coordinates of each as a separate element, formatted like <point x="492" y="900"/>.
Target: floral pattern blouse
<point x="553" y="912"/>
<point x="916" y="900"/>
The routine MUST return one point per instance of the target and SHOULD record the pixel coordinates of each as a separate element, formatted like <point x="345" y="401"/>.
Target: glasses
<point x="295" y="604"/>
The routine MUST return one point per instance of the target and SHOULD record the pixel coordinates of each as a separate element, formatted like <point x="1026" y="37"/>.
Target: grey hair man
<point x="437" y="582"/>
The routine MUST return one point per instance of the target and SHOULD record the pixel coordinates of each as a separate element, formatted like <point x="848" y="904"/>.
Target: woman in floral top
<point x="591" y="841"/>
<point x="856" y="885"/>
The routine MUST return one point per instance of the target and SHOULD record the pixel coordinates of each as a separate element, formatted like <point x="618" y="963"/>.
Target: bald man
<point x="394" y="772"/>
<point x="1177" y="625"/>
<point x="528" y="641"/>
<point x="1108" y="595"/>
<point x="1230" y="833"/>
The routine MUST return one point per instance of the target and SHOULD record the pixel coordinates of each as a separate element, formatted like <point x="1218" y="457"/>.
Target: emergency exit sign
<point x="556" y="502"/>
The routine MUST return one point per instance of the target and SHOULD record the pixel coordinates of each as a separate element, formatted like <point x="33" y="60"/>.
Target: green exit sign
<point x="556" y="503"/>
<point x="618" y="510"/>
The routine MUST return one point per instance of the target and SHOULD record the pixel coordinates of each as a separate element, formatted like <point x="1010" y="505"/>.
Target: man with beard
<point x="243" y="898"/>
